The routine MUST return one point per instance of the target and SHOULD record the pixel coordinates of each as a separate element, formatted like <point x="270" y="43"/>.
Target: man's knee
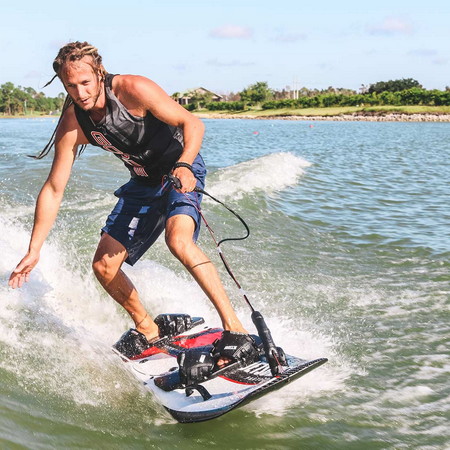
<point x="108" y="258"/>
<point x="104" y="269"/>
<point x="177" y="243"/>
<point x="179" y="235"/>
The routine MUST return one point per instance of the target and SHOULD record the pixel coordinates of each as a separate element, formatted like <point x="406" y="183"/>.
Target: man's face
<point x="82" y="84"/>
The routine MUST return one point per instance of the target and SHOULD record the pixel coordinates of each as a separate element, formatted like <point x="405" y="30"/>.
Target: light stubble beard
<point x="101" y="86"/>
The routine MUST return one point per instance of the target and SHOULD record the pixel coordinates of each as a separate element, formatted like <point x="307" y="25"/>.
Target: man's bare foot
<point x="148" y="328"/>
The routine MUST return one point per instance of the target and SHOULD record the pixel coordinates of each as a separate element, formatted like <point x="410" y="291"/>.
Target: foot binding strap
<point x="197" y="365"/>
<point x="132" y="343"/>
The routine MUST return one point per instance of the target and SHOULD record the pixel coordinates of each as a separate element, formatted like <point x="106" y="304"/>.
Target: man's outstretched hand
<point x="21" y="273"/>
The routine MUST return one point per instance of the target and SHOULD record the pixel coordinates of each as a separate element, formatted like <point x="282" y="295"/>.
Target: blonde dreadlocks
<point x="73" y="51"/>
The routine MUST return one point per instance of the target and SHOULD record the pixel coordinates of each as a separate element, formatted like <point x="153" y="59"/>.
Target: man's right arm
<point x="68" y="137"/>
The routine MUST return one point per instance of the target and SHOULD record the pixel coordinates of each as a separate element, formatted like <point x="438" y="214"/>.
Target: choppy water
<point x="348" y="259"/>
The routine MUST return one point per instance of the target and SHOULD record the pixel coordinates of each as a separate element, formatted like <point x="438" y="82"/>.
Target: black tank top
<point x="148" y="147"/>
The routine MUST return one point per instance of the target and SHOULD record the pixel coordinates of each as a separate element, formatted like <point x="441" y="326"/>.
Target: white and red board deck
<point x="224" y="392"/>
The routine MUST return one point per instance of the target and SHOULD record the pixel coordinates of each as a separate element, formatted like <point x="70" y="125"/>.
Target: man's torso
<point x="147" y="146"/>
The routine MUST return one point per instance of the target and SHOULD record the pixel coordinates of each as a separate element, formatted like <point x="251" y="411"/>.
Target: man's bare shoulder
<point x="69" y="128"/>
<point x="131" y="82"/>
<point x="135" y="86"/>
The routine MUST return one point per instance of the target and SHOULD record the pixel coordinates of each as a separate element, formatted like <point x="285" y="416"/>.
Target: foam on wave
<point x="269" y="173"/>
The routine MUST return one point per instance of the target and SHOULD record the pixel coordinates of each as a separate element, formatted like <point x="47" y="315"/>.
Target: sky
<point x="227" y="45"/>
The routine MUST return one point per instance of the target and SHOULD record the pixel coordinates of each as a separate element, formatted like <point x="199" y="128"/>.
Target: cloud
<point x="231" y="32"/>
<point x="441" y="61"/>
<point x="234" y="63"/>
<point x="422" y="52"/>
<point x="180" y="67"/>
<point x="432" y="54"/>
<point x="391" y="26"/>
<point x="289" y="37"/>
<point x="325" y="66"/>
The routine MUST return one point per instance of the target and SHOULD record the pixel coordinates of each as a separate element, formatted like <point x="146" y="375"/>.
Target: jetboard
<point x="218" y="395"/>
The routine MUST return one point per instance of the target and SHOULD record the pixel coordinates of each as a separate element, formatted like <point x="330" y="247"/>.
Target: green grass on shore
<point x="334" y="111"/>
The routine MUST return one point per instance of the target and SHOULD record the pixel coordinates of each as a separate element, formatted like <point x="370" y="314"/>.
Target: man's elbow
<point x="54" y="190"/>
<point x="199" y="125"/>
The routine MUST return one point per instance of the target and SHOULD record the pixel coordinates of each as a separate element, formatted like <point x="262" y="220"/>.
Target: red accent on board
<point x="201" y="340"/>
<point x="149" y="352"/>
<point x="207" y="337"/>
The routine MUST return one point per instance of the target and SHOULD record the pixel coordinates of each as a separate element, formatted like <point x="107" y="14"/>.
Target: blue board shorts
<point x="140" y="215"/>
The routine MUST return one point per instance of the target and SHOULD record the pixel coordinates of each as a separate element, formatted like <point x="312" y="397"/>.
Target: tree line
<point x="406" y="91"/>
<point x="17" y="100"/>
<point x="413" y="96"/>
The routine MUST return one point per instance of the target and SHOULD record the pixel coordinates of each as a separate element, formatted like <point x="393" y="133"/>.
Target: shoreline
<point x="391" y="117"/>
<point x="43" y="116"/>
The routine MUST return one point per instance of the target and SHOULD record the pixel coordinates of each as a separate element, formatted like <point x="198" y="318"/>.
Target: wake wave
<point x="56" y="331"/>
<point x="269" y="173"/>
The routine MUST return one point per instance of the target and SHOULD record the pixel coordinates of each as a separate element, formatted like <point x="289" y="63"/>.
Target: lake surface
<point x="348" y="259"/>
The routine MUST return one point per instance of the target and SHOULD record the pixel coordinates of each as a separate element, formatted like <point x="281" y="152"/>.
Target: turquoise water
<point x="348" y="259"/>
